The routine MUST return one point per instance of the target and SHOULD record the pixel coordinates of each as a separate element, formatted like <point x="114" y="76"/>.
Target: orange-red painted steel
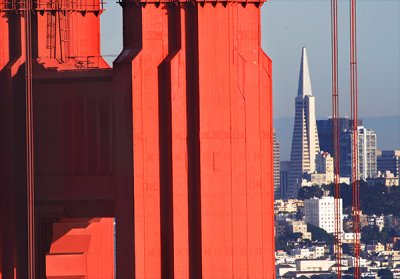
<point x="72" y="100"/>
<point x="175" y="143"/>
<point x="29" y="132"/>
<point x="354" y="117"/>
<point x="336" y="136"/>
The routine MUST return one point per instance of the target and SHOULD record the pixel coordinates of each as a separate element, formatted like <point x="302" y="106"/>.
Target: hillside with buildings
<point x="308" y="219"/>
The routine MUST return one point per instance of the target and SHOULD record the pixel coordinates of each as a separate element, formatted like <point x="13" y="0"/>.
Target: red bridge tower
<point x="175" y="142"/>
<point x="200" y="88"/>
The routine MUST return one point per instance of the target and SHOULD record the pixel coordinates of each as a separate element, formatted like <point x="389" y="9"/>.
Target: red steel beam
<point x="30" y="172"/>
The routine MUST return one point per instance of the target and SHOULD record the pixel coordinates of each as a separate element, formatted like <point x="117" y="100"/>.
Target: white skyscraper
<point x="305" y="144"/>
<point x="367" y="145"/>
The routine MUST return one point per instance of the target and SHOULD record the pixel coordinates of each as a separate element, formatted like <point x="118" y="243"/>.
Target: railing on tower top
<point x="67" y="5"/>
<point x="256" y="2"/>
<point x="54" y="5"/>
<point x="8" y="5"/>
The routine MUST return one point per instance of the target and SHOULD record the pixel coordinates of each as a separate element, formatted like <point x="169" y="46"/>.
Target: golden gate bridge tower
<point x="174" y="143"/>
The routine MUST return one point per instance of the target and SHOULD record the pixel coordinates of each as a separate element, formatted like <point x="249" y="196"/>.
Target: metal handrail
<point x="63" y="5"/>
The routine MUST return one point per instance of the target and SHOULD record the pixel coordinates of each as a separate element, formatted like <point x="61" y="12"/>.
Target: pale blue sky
<point x="288" y="25"/>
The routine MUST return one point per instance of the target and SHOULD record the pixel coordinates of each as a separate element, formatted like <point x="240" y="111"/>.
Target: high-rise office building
<point x="324" y="163"/>
<point x="325" y="135"/>
<point x="323" y="174"/>
<point x="305" y="144"/>
<point x="367" y="145"/>
<point x="277" y="159"/>
<point x="367" y="163"/>
<point x="389" y="160"/>
<point x="284" y="175"/>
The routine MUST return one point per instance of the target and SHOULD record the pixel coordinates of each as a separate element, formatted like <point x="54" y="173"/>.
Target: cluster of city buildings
<point x="311" y="159"/>
<point x="312" y="163"/>
<point x="307" y="255"/>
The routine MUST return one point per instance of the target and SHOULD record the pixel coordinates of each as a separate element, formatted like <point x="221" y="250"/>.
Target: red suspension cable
<point x="354" y="118"/>
<point x="335" y="134"/>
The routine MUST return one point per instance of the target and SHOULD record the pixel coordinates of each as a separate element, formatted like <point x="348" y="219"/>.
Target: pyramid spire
<point x="305" y="142"/>
<point x="304" y="79"/>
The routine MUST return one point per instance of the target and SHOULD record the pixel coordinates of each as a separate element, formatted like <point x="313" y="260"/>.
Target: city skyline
<point x="306" y="143"/>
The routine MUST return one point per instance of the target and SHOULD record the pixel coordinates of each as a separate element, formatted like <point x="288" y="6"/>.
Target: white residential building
<point x="314" y="252"/>
<point x="349" y="237"/>
<point x="351" y="261"/>
<point x="314" y="265"/>
<point x="321" y="213"/>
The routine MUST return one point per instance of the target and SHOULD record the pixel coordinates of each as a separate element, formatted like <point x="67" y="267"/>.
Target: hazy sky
<point x="288" y="25"/>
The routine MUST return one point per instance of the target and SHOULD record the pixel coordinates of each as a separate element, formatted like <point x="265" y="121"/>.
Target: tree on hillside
<point x="299" y="215"/>
<point x="375" y="199"/>
<point x="294" y="236"/>
<point x="396" y="245"/>
<point x="310" y="192"/>
<point x="320" y="234"/>
<point x="281" y="241"/>
<point x="385" y="274"/>
<point x="371" y="234"/>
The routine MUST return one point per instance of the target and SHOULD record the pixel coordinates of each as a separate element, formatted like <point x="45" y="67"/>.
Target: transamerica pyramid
<point x="305" y="143"/>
